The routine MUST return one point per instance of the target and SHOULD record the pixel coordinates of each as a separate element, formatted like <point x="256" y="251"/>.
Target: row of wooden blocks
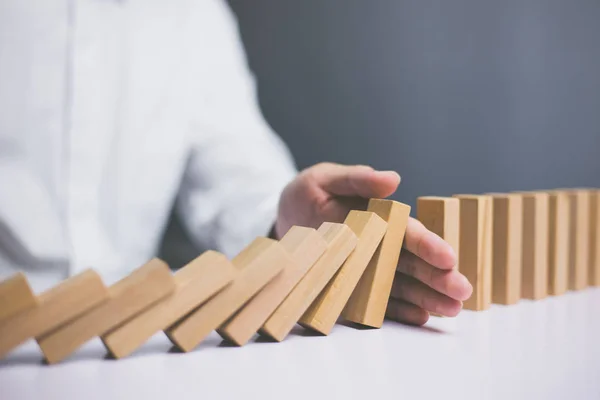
<point x="520" y="245"/>
<point x="310" y="277"/>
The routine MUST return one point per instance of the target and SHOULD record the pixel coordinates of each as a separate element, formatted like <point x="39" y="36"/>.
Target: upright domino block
<point x="305" y="246"/>
<point x="57" y="306"/>
<point x="579" y="236"/>
<point x="325" y="310"/>
<point x="595" y="238"/>
<point x="368" y="302"/>
<point x="441" y="215"/>
<point x="534" y="276"/>
<point x="341" y="242"/>
<point x="507" y="233"/>
<point x="195" y="283"/>
<point x="558" y="242"/>
<point x="256" y="266"/>
<point x="15" y="296"/>
<point x="132" y="294"/>
<point x="475" y="254"/>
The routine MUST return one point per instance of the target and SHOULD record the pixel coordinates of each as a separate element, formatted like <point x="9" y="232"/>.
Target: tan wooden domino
<point x="534" y="274"/>
<point x="15" y="296"/>
<point x="595" y="238"/>
<point x="558" y="242"/>
<point x="579" y="235"/>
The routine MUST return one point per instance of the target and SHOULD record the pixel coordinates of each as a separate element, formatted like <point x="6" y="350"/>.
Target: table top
<point x="546" y="349"/>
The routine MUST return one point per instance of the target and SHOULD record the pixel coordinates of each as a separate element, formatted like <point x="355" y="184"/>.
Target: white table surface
<point x="548" y="349"/>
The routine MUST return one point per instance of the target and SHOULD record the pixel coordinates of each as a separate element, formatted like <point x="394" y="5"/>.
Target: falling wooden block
<point x="341" y="241"/>
<point x="558" y="242"/>
<point x="534" y="274"/>
<point x="195" y="283"/>
<point x="507" y="233"/>
<point x="475" y="254"/>
<point x="129" y="296"/>
<point x="579" y="236"/>
<point x="595" y="238"/>
<point x="305" y="246"/>
<point x="368" y="302"/>
<point x="15" y="296"/>
<point x="256" y="266"/>
<point x="323" y="313"/>
<point x="56" y="306"/>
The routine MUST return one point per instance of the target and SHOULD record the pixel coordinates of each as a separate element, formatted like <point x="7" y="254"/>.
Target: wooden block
<point x="558" y="242"/>
<point x="323" y="313"/>
<point x="305" y="246"/>
<point x="57" y="306"/>
<point x="579" y="236"/>
<point x="129" y="296"/>
<point x="595" y="238"/>
<point x="341" y="241"/>
<point x="507" y="234"/>
<point x="256" y="266"/>
<point x="475" y="254"/>
<point x="195" y="283"/>
<point x="15" y="296"/>
<point x="534" y="274"/>
<point x="368" y="302"/>
<point x="441" y="215"/>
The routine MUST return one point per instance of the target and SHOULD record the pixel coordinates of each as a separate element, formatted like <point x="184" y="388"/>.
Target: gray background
<point x="456" y="95"/>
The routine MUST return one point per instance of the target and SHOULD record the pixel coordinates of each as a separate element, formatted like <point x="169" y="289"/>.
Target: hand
<point x="426" y="280"/>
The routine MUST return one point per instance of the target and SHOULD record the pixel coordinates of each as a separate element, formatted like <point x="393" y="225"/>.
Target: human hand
<point x="426" y="280"/>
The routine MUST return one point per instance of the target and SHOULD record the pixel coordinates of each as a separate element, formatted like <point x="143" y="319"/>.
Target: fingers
<point x="449" y="282"/>
<point x="355" y="180"/>
<point x="401" y="311"/>
<point x="428" y="246"/>
<point x="413" y="291"/>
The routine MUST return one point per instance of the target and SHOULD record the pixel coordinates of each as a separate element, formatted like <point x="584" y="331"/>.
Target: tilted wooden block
<point x="507" y="233"/>
<point x="15" y="296"/>
<point x="369" y="300"/>
<point x="129" y="296"/>
<point x="195" y="283"/>
<point x="256" y="265"/>
<point x="57" y="306"/>
<point x="558" y="242"/>
<point x="305" y="246"/>
<point x="534" y="275"/>
<point x="579" y="236"/>
<point x="475" y="254"/>
<point x="341" y="241"/>
<point x="595" y="238"/>
<point x="323" y="313"/>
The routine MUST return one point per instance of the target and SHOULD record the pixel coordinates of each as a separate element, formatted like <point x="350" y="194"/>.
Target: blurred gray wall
<point x="456" y="95"/>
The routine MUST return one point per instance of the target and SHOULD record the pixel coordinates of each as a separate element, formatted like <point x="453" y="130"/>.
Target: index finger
<point x="428" y="246"/>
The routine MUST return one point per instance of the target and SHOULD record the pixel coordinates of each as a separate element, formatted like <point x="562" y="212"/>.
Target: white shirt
<point x="114" y="112"/>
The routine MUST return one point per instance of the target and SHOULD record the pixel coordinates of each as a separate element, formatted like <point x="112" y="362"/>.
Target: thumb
<point x="355" y="180"/>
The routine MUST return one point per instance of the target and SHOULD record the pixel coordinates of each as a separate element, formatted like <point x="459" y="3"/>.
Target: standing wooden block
<point x="195" y="283"/>
<point x="558" y="242"/>
<point x="256" y="266"/>
<point x="579" y="236"/>
<point x="305" y="246"/>
<point x="323" y="313"/>
<point x="441" y="215"/>
<point x="475" y="254"/>
<point x="507" y="233"/>
<point x="341" y="241"/>
<point x="129" y="296"/>
<point x="368" y="302"/>
<point x="15" y="296"/>
<point x="534" y="276"/>
<point x="595" y="238"/>
<point x="57" y="305"/>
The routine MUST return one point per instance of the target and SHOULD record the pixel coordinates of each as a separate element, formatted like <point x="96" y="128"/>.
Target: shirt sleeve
<point x="237" y="166"/>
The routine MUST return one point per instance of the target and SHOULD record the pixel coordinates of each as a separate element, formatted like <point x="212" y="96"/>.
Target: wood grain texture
<point x="15" y="296"/>
<point x="58" y="305"/>
<point x="475" y="254"/>
<point x="558" y="242"/>
<point x="595" y="238"/>
<point x="369" y="300"/>
<point x="323" y="313"/>
<point x="507" y="233"/>
<point x="579" y="236"/>
<point x="534" y="275"/>
<point x="256" y="266"/>
<point x="134" y="293"/>
<point x="195" y="283"/>
<point x="304" y="247"/>
<point x="341" y="241"/>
